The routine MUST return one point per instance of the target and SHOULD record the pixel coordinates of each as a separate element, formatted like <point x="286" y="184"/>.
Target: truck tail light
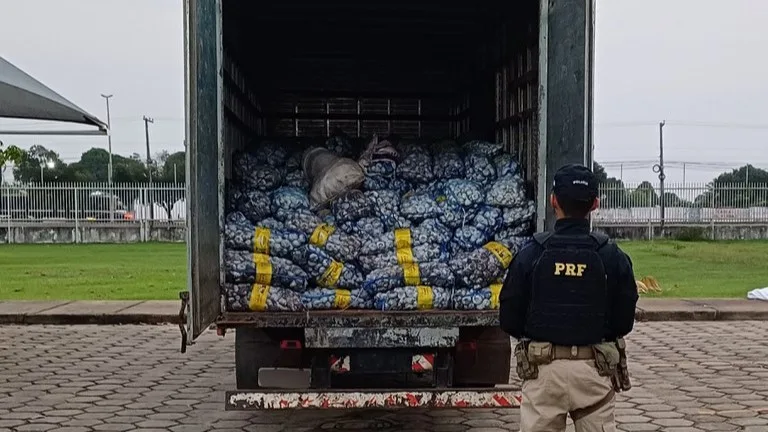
<point x="423" y="362"/>
<point x="290" y="344"/>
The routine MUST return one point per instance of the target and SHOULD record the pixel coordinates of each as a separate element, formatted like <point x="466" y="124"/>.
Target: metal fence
<point x="92" y="202"/>
<point x="683" y="204"/>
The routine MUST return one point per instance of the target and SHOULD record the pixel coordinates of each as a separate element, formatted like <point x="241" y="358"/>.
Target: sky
<point x="693" y="63"/>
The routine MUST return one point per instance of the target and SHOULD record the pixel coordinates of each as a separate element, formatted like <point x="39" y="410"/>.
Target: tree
<point x="730" y="189"/>
<point x="614" y="191"/>
<point x="173" y="167"/>
<point x="10" y="154"/>
<point x="39" y="161"/>
<point x="644" y="196"/>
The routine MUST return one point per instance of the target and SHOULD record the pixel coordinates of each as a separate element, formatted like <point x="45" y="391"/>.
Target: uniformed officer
<point x="569" y="299"/>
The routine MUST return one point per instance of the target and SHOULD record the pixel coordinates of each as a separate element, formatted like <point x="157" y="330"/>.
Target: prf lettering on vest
<point x="568" y="269"/>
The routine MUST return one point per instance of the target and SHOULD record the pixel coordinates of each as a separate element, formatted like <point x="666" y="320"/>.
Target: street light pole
<point x="147" y="121"/>
<point x="109" y="138"/>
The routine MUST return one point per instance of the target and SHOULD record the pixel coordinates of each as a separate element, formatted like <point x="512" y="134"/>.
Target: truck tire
<point x="257" y="348"/>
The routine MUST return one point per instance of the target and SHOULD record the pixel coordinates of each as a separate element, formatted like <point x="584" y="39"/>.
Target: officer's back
<point x="569" y="295"/>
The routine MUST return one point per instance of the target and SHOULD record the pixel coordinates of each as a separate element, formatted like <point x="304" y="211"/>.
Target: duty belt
<point x="560" y="352"/>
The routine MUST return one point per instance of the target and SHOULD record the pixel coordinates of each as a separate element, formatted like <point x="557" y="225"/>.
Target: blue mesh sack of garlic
<point x="409" y="298"/>
<point x="249" y="267"/>
<point x="272" y="154"/>
<point x="296" y="178"/>
<point x="366" y="229"/>
<point x="417" y="254"/>
<point x="419" y="206"/>
<point x="448" y="165"/>
<point x="352" y="206"/>
<point x="326" y="272"/>
<point x="254" y="204"/>
<point x="243" y="235"/>
<point x="416" y="167"/>
<point x="329" y="299"/>
<point x="386" y="204"/>
<point x="287" y="200"/>
<point x="479" y="168"/>
<point x="246" y="297"/>
<point x="431" y="233"/>
<point x="339" y="245"/>
<point x="514" y="216"/>
<point x="482" y="266"/>
<point x="513" y="243"/>
<point x="506" y="165"/>
<point x="469" y="238"/>
<point x="388" y="278"/>
<point x="477" y="299"/>
<point x="507" y="192"/>
<point x="484" y="148"/>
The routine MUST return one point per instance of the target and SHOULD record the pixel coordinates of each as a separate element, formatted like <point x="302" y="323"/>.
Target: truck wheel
<point x="257" y="348"/>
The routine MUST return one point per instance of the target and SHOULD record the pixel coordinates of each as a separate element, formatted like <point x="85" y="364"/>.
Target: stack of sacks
<point x="427" y="227"/>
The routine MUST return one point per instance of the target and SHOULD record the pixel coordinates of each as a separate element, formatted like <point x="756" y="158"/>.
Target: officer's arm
<point x="625" y="295"/>
<point x="515" y="294"/>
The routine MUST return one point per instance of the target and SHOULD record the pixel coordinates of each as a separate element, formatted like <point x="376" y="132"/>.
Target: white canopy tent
<point x="23" y="97"/>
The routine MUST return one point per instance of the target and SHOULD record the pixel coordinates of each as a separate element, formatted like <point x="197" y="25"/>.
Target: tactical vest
<point x="569" y="290"/>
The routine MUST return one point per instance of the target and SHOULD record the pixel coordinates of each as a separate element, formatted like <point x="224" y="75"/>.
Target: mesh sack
<point x="352" y="206"/>
<point x="259" y="298"/>
<point x="466" y="193"/>
<point x="400" y="185"/>
<point x="297" y="179"/>
<point x="514" y="216"/>
<point x="416" y="168"/>
<point x="386" y="204"/>
<point x="413" y="298"/>
<point x="488" y="219"/>
<point x="303" y="221"/>
<point x="483" y="148"/>
<point x="254" y="204"/>
<point x="453" y="215"/>
<point x="376" y="182"/>
<point x="235" y="217"/>
<point x="272" y="154"/>
<point x="243" y="235"/>
<point x="476" y="299"/>
<point x="329" y="273"/>
<point x="431" y="233"/>
<point x="417" y="254"/>
<point x="253" y="175"/>
<point x="366" y="228"/>
<point x="479" y="168"/>
<point x="512" y="242"/>
<point x="327" y="299"/>
<point x="448" y="165"/>
<point x="271" y="223"/>
<point x="507" y="192"/>
<point x="443" y="233"/>
<point x="468" y="238"/>
<point x="382" y="167"/>
<point x="506" y="165"/>
<point x="289" y="199"/>
<point x="247" y="267"/>
<point x="482" y="266"/>
<point x="419" y="206"/>
<point x="387" y="278"/>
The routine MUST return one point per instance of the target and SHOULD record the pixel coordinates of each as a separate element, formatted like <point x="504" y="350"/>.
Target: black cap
<point x="575" y="182"/>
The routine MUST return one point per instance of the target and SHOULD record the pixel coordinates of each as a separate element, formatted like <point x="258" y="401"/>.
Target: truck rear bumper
<point x="500" y="397"/>
<point x="360" y="318"/>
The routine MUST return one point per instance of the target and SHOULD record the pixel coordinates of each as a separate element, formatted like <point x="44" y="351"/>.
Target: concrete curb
<point x="167" y="312"/>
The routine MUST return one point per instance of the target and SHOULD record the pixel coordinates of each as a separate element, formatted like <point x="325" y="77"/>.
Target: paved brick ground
<point x="689" y="376"/>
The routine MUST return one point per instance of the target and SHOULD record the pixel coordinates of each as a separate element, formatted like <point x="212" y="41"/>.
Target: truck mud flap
<point x="500" y="397"/>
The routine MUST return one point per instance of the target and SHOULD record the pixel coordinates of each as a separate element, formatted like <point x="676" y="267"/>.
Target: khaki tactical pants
<point x="568" y="387"/>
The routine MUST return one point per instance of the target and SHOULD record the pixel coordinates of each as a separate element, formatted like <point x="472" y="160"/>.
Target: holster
<point x="525" y="369"/>
<point x="622" y="371"/>
<point x="606" y="358"/>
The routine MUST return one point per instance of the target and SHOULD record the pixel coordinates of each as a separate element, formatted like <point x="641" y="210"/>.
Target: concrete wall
<point x="93" y="233"/>
<point x="689" y="232"/>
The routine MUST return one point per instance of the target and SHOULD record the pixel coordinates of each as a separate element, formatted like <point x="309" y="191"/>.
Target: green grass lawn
<point x="702" y="269"/>
<point x="156" y="271"/>
<point x="151" y="271"/>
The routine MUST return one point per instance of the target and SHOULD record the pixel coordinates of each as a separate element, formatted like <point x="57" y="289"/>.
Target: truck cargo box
<point x="517" y="73"/>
